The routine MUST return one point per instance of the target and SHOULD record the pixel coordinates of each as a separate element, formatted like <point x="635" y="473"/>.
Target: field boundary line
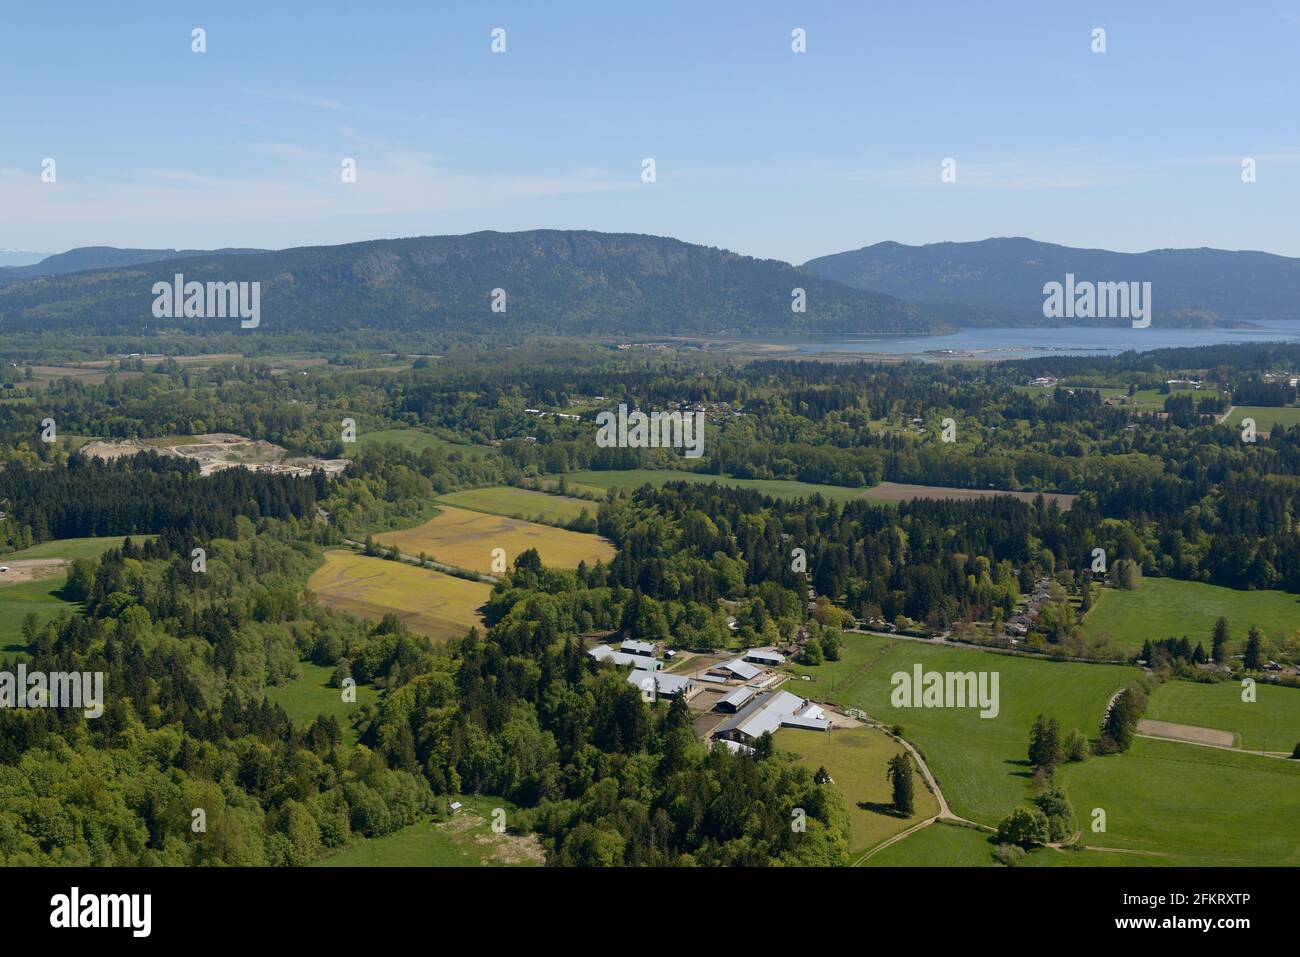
<point x="428" y="563"/>
<point x="518" y="518"/>
<point x="1281" y="755"/>
<point x="893" y="839"/>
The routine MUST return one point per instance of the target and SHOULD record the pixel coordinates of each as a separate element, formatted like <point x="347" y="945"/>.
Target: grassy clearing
<point x="40" y="598"/>
<point x="522" y="503"/>
<point x="309" y="697"/>
<point x="417" y="440"/>
<point x="856" y="759"/>
<point x="1270" y="723"/>
<point x="1169" y="608"/>
<point x="1196" y="805"/>
<point x="948" y="845"/>
<point x="466" y="840"/>
<point x="1153" y="400"/>
<point x="939" y="845"/>
<point x="635" y="478"/>
<point x="891" y="493"/>
<point x="981" y="763"/>
<point x="430" y="603"/>
<point x="71" y="548"/>
<point x="466" y="539"/>
<point x="1265" y="417"/>
<point x="828" y="680"/>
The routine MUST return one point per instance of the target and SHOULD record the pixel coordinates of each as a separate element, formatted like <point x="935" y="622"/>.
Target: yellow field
<point x="460" y="537"/>
<point x="430" y="603"/>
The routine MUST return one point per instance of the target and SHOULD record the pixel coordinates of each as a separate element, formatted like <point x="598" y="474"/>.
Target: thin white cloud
<point x="327" y="103"/>
<point x="158" y="202"/>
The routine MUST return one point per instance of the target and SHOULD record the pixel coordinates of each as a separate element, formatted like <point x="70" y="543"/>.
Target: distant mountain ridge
<point x="20" y="257"/>
<point x="104" y="257"/>
<point x="999" y="282"/>
<point x="562" y="282"/>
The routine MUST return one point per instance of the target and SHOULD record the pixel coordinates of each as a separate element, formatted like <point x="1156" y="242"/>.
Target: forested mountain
<point x="103" y="257"/>
<point x="999" y="282"/>
<point x="553" y="281"/>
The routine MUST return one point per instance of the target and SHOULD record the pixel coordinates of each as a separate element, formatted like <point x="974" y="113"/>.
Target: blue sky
<point x="757" y="149"/>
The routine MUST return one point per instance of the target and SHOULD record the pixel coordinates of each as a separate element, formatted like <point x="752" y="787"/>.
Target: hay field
<point x="464" y="538"/>
<point x="430" y="603"/>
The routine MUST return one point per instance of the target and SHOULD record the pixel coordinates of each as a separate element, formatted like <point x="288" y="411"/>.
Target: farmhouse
<point x="661" y="685"/>
<point x="769" y="712"/>
<point x="765" y="656"/>
<point x="623" y="660"/>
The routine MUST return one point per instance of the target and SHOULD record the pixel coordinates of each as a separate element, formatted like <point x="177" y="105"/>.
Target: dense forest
<point x="519" y="710"/>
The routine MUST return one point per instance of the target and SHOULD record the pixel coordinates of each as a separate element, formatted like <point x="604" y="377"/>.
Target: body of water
<point x="1030" y="343"/>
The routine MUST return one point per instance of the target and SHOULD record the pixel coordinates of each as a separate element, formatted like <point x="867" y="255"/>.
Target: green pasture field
<point x="635" y="478"/>
<point x="939" y="845"/>
<point x="1265" y="417"/>
<point x="981" y="764"/>
<point x="1194" y="805"/>
<point x="856" y="759"/>
<point x="18" y="601"/>
<point x="1170" y="608"/>
<point x="1269" y="723"/>
<point x="464" y="840"/>
<point x="71" y="548"/>
<point x="522" y="503"/>
<point x="308" y="697"/>
<point x="417" y="440"/>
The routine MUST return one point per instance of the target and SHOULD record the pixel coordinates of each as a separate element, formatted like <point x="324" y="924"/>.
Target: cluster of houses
<point x="558" y="415"/>
<point x="1021" y="623"/>
<point x="1290" y="378"/>
<point x="752" y="705"/>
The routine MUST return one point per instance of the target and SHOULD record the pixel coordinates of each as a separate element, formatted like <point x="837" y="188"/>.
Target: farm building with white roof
<point x="769" y="712"/>
<point x="647" y="649"/>
<point x="736" y="699"/>
<point x="739" y="669"/>
<point x="603" y="652"/>
<point x="658" y="685"/>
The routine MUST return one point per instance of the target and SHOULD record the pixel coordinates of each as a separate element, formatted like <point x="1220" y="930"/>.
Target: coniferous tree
<point x="899" y="775"/>
<point x="1219" y="641"/>
<point x="1254" y="658"/>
